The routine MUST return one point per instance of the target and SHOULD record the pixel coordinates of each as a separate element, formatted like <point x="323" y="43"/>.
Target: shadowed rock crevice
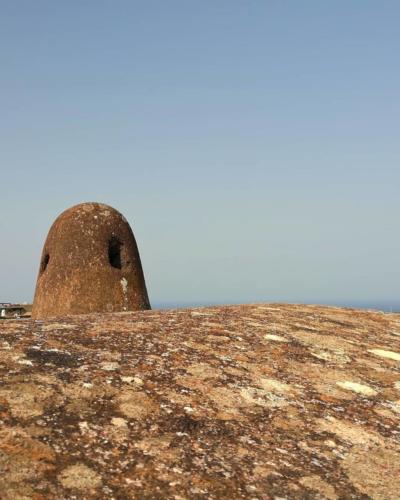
<point x="44" y="263"/>
<point x="114" y="253"/>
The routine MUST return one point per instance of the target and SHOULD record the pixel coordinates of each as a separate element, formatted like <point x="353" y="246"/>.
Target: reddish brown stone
<point x="90" y="263"/>
<point x="212" y="403"/>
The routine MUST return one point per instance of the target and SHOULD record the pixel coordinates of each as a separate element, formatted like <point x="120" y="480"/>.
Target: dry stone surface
<point x="256" y="401"/>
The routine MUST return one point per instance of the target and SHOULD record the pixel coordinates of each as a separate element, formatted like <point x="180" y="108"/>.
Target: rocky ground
<point x="256" y="401"/>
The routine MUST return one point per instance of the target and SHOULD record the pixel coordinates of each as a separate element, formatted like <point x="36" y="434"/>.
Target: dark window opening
<point x="45" y="262"/>
<point x="115" y="253"/>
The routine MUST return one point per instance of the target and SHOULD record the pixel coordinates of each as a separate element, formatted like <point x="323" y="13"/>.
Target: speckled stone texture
<point x="90" y="263"/>
<point x="259" y="401"/>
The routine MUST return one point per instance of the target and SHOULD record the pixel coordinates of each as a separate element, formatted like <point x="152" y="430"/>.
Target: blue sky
<point x="253" y="146"/>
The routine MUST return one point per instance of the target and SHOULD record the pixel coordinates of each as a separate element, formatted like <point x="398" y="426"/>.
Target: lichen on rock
<point x="255" y="401"/>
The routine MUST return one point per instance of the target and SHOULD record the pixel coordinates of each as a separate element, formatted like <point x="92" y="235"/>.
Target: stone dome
<point x="90" y="263"/>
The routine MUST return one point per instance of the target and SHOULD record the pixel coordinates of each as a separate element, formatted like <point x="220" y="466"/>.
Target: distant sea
<point x="386" y="306"/>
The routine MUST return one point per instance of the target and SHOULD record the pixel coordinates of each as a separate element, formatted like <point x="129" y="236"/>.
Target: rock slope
<point x="255" y="401"/>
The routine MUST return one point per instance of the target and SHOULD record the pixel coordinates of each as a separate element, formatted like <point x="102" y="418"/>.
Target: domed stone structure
<point x="90" y="263"/>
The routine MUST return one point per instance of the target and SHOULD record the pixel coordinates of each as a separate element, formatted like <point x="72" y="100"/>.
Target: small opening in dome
<point x="114" y="253"/>
<point x="44" y="263"/>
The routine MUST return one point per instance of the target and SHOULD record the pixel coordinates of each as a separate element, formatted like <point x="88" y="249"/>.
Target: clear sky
<point x="253" y="145"/>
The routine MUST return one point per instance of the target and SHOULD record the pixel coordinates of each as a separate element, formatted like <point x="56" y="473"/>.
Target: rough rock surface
<point x="90" y="263"/>
<point x="256" y="401"/>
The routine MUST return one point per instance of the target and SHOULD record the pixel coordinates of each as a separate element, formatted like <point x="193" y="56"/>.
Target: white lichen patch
<point x="58" y="326"/>
<point x="325" y="356"/>
<point x="349" y="431"/>
<point x="276" y="338"/>
<point x="212" y="324"/>
<point x="332" y="356"/>
<point x="79" y="477"/>
<point x="395" y="356"/>
<point x="84" y="427"/>
<point x="138" y="381"/>
<point x="254" y="323"/>
<point x="109" y="366"/>
<point x="25" y="362"/>
<point x="261" y="397"/>
<point x="272" y="385"/>
<point x="307" y="327"/>
<point x="119" y="422"/>
<point x="365" y="390"/>
<point x="124" y="286"/>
